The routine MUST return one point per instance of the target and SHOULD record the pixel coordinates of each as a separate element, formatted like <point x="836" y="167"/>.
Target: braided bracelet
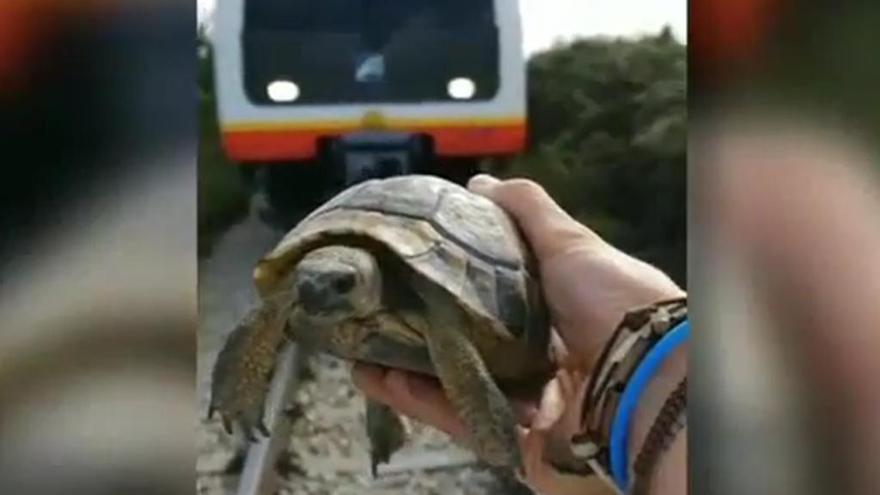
<point x="670" y="421"/>
<point x="623" y="417"/>
<point x="639" y="331"/>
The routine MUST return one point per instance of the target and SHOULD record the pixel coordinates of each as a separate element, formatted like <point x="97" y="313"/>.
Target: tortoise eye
<point x="344" y="283"/>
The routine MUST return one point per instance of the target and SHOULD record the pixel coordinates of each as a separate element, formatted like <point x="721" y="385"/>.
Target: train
<point x="357" y="88"/>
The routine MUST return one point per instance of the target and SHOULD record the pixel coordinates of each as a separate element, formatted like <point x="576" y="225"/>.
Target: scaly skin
<point x="335" y="317"/>
<point x="243" y="370"/>
<point x="483" y="408"/>
<point x="386" y="432"/>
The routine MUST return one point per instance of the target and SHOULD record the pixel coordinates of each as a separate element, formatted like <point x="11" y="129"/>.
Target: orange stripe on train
<point x="299" y="143"/>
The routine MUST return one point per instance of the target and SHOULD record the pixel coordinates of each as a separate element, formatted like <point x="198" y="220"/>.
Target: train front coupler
<point x="368" y="155"/>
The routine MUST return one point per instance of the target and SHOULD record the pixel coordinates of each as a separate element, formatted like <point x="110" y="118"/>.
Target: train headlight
<point x="282" y="91"/>
<point x="462" y="88"/>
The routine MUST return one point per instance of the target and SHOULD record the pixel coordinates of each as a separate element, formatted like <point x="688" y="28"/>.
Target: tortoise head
<point x="336" y="283"/>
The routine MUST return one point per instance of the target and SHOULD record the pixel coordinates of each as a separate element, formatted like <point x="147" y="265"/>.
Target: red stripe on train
<point x="278" y="145"/>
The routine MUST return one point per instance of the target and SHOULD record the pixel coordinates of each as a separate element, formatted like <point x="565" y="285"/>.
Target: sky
<point x="546" y="21"/>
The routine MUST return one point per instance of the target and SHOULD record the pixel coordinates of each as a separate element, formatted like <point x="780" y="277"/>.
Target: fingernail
<point x="482" y="183"/>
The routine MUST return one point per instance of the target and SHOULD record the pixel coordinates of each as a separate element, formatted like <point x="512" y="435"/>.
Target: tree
<point x="608" y="136"/>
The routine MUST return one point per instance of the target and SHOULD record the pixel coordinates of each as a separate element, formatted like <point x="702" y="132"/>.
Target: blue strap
<point x="646" y="371"/>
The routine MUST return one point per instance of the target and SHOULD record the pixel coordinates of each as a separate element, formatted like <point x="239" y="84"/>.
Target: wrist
<point x="668" y="472"/>
<point x="640" y="367"/>
<point x="646" y="374"/>
<point x="658" y="390"/>
<point x="669" y="477"/>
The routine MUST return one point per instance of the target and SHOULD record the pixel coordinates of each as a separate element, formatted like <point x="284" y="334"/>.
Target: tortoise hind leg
<point x="482" y="407"/>
<point x="243" y="370"/>
<point x="386" y="432"/>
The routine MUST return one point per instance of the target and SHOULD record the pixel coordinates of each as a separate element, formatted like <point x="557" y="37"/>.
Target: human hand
<point x="589" y="285"/>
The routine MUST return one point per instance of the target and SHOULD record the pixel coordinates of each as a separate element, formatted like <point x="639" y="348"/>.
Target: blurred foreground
<point x="785" y="248"/>
<point x="98" y="291"/>
<point x="98" y="294"/>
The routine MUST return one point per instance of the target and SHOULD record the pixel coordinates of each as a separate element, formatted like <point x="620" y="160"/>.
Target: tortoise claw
<point x="250" y="436"/>
<point x="261" y="426"/>
<point x="245" y="421"/>
<point x="244" y="367"/>
<point x="386" y="432"/>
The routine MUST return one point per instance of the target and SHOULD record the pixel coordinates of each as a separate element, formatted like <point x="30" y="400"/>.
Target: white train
<point x="294" y="75"/>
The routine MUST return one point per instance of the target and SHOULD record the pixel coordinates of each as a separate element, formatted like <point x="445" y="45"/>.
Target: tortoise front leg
<point x="482" y="407"/>
<point x="385" y="431"/>
<point x="243" y="370"/>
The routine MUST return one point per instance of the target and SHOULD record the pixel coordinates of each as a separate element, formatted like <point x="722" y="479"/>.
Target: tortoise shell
<point x="459" y="240"/>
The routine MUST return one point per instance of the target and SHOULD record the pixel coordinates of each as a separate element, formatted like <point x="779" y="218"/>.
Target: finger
<point x="423" y="399"/>
<point x="411" y="396"/>
<point x="566" y="387"/>
<point x="541" y="477"/>
<point x="522" y="473"/>
<point x="548" y="228"/>
<point x="560" y="355"/>
<point x="550" y="409"/>
<point x="525" y="410"/>
<point x="570" y="383"/>
<point x="482" y="182"/>
<point x="429" y="401"/>
<point x="532" y="447"/>
<point x="573" y="385"/>
<point x="369" y="379"/>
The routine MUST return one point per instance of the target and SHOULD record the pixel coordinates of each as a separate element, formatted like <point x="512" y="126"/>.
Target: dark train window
<point x="344" y="51"/>
<point x="304" y="15"/>
<point x="379" y="18"/>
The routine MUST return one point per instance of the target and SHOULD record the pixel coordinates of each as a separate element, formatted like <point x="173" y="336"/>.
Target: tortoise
<point x="411" y="272"/>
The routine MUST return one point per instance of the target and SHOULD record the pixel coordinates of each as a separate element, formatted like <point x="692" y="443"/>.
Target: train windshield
<point x="376" y="20"/>
<point x="351" y="51"/>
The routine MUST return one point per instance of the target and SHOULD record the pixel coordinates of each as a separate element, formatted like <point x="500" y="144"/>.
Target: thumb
<point x="549" y="229"/>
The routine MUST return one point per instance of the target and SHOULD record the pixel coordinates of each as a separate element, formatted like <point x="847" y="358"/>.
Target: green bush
<point x="608" y="138"/>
